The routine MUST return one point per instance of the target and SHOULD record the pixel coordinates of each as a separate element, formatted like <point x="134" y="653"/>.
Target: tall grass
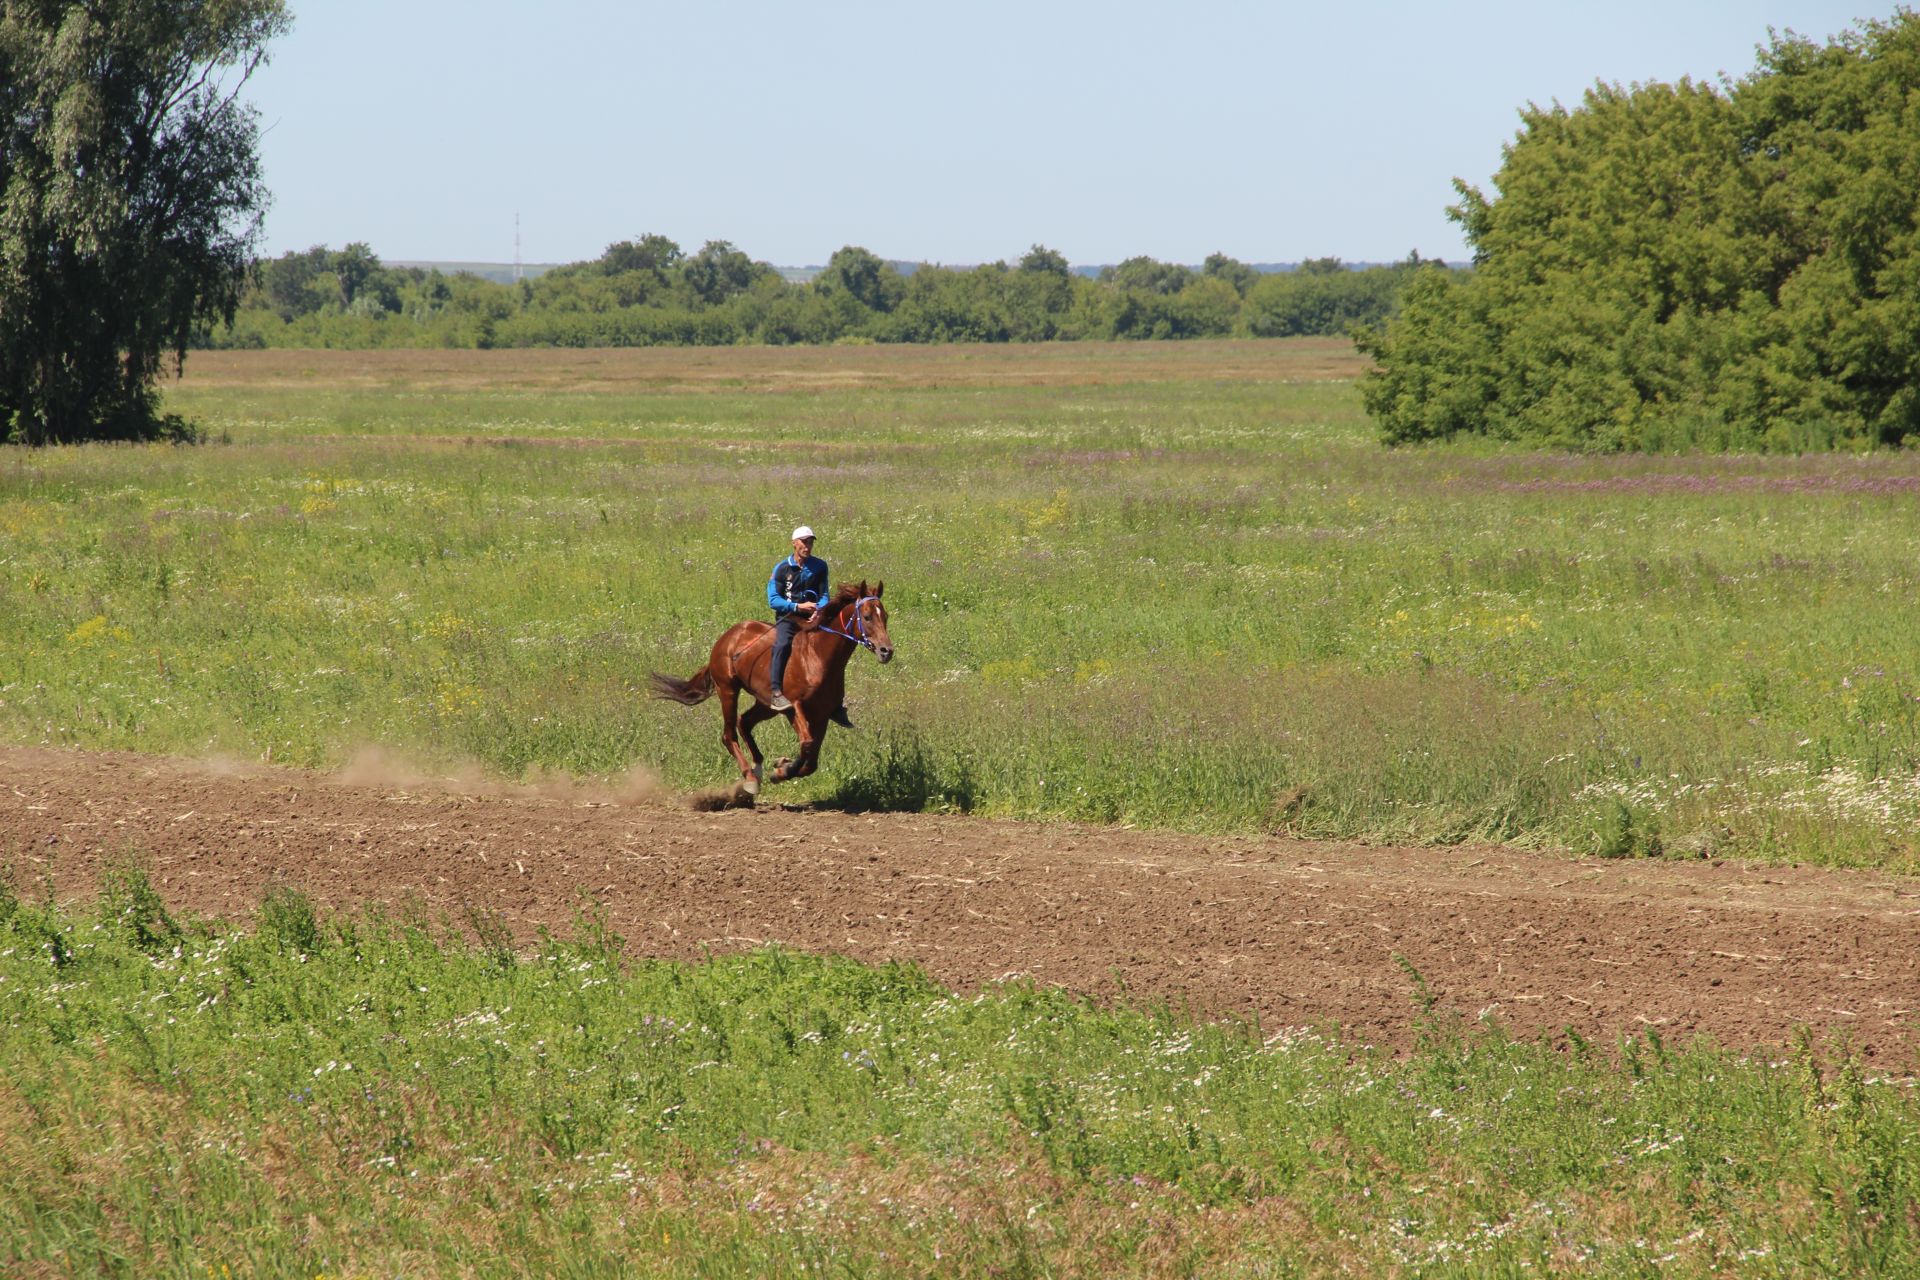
<point x="370" y="1095"/>
<point x="1209" y="602"/>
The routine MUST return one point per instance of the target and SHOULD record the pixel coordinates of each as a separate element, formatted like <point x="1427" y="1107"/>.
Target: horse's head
<point x="865" y="619"/>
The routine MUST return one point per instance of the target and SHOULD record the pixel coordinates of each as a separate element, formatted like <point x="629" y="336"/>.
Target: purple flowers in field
<point x="1881" y="474"/>
<point x="1721" y="484"/>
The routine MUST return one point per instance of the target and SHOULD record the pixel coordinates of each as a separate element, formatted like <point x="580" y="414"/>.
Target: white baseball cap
<point x="803" y="532"/>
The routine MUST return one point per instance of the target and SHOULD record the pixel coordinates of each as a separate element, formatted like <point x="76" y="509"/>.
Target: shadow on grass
<point x="904" y="779"/>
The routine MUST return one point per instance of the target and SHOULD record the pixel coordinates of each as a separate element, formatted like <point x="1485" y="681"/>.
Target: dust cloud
<point x="376" y="766"/>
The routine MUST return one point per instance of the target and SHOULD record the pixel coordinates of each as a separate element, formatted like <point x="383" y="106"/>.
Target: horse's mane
<point x="849" y="593"/>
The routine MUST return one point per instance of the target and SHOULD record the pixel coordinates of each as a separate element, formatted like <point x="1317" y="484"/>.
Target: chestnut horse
<point x="815" y="680"/>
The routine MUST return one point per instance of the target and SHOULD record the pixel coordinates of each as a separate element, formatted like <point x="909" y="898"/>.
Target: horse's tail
<point x="687" y="692"/>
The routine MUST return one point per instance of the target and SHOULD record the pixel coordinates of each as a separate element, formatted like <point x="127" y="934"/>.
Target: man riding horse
<point x="795" y="591"/>
<point x="815" y="632"/>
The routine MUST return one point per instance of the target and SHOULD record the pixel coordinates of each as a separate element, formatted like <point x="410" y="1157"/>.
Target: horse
<point x="815" y="680"/>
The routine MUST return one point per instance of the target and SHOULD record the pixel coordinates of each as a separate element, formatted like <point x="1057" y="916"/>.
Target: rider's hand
<point x="805" y="606"/>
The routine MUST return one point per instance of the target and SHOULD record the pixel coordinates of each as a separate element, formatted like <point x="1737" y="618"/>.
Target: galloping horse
<point x="815" y="678"/>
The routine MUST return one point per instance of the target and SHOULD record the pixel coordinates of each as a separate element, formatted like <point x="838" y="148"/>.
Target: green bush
<point x="1677" y="267"/>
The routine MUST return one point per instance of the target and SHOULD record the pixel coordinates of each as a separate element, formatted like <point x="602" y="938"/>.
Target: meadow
<point x="385" y="1094"/>
<point x="1171" y="584"/>
<point x="1166" y="584"/>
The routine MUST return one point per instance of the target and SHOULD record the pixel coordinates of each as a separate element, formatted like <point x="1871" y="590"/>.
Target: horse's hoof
<point x="751" y="784"/>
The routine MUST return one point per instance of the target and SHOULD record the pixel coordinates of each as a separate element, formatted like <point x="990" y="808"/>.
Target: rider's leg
<point x="782" y="646"/>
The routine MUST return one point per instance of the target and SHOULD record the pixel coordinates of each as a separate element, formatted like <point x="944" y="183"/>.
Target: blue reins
<point x="859" y="621"/>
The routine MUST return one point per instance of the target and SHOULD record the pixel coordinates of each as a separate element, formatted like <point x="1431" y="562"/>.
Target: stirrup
<point x="780" y="702"/>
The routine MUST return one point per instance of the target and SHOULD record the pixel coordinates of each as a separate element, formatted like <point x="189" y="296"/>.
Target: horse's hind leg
<point x="730" y="736"/>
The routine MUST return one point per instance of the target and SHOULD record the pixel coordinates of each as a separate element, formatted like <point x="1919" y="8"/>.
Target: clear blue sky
<point x="957" y="133"/>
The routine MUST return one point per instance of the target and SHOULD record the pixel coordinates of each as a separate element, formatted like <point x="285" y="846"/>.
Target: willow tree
<point x="130" y="200"/>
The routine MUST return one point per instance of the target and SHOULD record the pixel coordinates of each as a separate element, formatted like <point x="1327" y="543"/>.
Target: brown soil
<point x="1298" y="933"/>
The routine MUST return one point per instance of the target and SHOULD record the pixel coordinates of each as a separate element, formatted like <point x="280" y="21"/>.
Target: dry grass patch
<point x="799" y="369"/>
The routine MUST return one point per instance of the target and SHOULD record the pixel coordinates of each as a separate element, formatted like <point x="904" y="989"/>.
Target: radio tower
<point x="516" y="246"/>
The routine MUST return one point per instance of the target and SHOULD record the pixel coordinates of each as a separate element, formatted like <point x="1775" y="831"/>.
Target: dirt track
<point x="1301" y="934"/>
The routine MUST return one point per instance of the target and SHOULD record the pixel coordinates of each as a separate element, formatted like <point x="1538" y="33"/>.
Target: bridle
<point x="859" y="624"/>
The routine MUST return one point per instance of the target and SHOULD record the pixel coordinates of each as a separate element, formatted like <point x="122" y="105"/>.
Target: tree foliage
<point x="720" y="271"/>
<point x="863" y="276"/>
<point x="1684" y="266"/>
<point x="1046" y="261"/>
<point x="647" y="292"/>
<point x="1219" y="266"/>
<point x="1323" y="296"/>
<point x="1148" y="275"/>
<point x="130" y="195"/>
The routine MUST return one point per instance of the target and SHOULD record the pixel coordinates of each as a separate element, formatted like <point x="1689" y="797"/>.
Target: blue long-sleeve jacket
<point x="792" y="583"/>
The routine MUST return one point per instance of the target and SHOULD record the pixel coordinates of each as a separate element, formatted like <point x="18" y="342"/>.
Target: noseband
<point x="859" y="624"/>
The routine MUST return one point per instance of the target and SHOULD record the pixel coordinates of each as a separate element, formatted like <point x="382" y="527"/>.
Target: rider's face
<point x="802" y="548"/>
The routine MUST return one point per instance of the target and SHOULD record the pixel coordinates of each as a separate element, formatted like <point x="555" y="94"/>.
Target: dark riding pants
<point x="783" y="628"/>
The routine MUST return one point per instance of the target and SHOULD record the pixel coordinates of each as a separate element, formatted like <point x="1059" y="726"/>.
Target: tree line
<point x="651" y="292"/>
<point x="1685" y="266"/>
<point x="131" y="196"/>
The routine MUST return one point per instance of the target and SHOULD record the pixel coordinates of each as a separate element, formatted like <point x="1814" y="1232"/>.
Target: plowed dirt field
<point x="1301" y="934"/>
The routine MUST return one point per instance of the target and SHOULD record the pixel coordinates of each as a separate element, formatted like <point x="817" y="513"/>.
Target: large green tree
<point x="864" y="276"/>
<point x="655" y="253"/>
<point x="1219" y="266"/>
<point x="130" y="198"/>
<point x="1686" y="266"/>
<point x="720" y="271"/>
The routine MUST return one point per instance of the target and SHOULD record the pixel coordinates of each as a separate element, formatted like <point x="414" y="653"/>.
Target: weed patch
<point x="356" y="1096"/>
<point x="1181" y="587"/>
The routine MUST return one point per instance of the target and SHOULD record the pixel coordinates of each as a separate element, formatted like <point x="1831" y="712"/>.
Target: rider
<point x="796" y="590"/>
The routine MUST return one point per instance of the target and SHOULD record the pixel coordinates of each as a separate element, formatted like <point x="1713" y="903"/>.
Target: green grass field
<point x="1174" y="584"/>
<point x="370" y="1096"/>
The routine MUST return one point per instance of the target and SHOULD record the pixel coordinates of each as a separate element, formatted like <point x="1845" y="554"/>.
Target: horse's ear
<point x="863" y="587"/>
<point x="880" y="589"/>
